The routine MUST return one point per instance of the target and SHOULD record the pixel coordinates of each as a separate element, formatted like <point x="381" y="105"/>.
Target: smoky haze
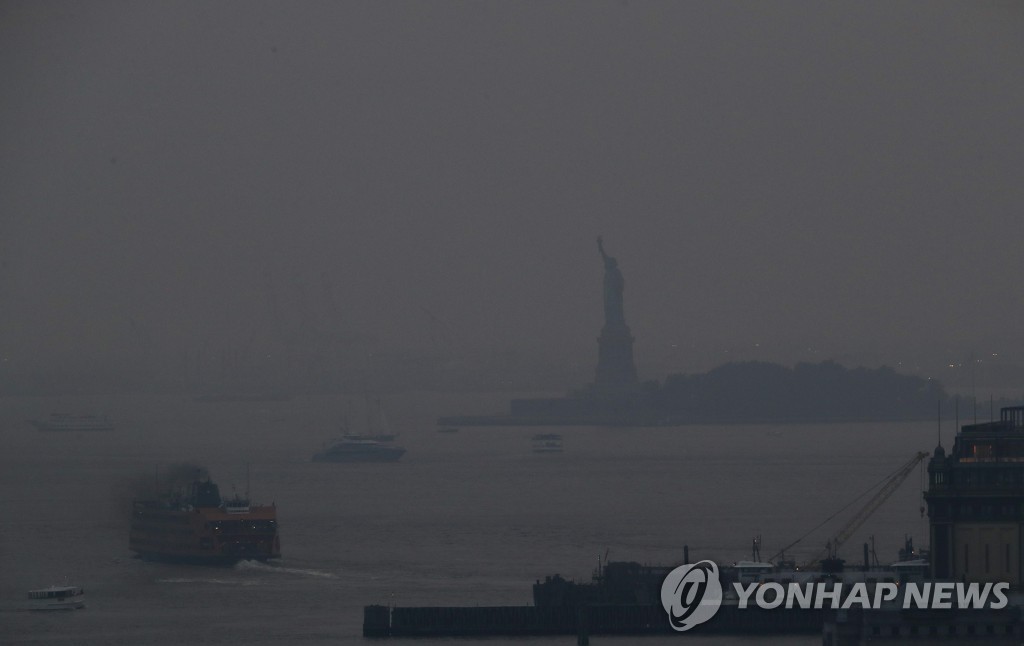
<point x="191" y="190"/>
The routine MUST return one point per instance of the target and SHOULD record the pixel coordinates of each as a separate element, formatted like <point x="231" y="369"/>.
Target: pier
<point x="493" y="621"/>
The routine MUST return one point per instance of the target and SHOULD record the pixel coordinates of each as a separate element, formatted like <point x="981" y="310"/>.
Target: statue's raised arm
<point x="600" y="247"/>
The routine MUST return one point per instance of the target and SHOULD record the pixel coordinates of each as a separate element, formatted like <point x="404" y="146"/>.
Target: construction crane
<point x="890" y="485"/>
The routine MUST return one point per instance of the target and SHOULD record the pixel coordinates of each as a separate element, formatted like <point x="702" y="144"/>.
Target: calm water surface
<point x="465" y="518"/>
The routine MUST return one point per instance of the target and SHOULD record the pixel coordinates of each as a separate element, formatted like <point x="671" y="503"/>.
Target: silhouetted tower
<point x="976" y="502"/>
<point x="616" y="370"/>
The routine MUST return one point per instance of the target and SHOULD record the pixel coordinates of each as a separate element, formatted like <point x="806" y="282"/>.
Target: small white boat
<point x="547" y="443"/>
<point x="56" y="597"/>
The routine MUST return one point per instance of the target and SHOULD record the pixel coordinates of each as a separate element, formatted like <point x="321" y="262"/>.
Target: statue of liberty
<point x="614" y="313"/>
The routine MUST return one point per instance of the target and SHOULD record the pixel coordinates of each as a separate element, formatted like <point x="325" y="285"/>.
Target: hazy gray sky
<point x="845" y="177"/>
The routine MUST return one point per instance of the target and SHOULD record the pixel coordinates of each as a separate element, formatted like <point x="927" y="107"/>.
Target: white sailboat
<point x="377" y="444"/>
<point x="377" y="428"/>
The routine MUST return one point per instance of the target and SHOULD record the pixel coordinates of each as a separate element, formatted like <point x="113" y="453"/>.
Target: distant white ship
<point x="65" y="422"/>
<point x="56" y="597"/>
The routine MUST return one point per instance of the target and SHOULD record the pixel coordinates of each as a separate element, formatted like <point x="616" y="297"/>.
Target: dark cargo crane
<point x="828" y="556"/>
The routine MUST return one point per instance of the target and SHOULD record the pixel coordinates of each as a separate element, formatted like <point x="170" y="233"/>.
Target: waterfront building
<point x="975" y="502"/>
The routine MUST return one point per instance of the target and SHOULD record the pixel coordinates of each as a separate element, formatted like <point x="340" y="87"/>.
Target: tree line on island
<point x="760" y="391"/>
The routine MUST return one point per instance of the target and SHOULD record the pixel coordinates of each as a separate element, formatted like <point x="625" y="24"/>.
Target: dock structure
<point x="893" y="626"/>
<point x="492" y="621"/>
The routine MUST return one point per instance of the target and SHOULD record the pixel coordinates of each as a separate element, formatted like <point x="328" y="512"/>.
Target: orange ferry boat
<point x="202" y="528"/>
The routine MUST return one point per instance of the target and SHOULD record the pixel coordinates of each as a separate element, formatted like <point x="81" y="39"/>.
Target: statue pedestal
<point x="615" y="368"/>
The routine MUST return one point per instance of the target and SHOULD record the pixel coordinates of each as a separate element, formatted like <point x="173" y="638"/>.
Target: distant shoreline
<point x="509" y="421"/>
<point x="742" y="393"/>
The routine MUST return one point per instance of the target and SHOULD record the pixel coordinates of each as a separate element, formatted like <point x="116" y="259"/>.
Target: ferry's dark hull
<point x="204" y="536"/>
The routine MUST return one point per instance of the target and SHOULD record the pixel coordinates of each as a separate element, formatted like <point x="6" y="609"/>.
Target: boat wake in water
<point x="251" y="573"/>
<point x="210" y="581"/>
<point x="256" y="566"/>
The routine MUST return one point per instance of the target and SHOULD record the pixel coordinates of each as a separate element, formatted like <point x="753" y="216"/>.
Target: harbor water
<point x="466" y="518"/>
